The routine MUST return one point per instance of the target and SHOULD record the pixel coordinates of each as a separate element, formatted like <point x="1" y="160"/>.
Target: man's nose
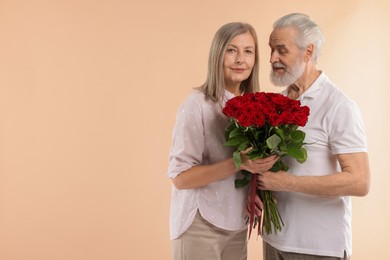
<point x="274" y="57"/>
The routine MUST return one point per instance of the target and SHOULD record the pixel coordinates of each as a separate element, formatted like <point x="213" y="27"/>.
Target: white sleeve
<point x="188" y="138"/>
<point x="346" y="130"/>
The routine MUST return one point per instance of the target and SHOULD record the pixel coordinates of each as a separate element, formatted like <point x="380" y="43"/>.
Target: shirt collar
<point x="315" y="88"/>
<point x="228" y="95"/>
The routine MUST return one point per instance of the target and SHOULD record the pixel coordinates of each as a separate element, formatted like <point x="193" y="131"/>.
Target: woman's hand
<point x="258" y="165"/>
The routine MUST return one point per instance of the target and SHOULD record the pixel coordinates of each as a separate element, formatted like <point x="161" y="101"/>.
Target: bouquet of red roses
<point x="268" y="124"/>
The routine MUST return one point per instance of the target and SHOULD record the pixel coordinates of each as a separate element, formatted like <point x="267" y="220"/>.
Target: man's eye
<point x="283" y="52"/>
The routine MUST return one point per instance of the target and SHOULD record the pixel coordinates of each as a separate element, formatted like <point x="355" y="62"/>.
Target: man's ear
<point x="309" y="52"/>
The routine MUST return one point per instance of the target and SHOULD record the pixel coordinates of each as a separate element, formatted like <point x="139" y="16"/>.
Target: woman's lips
<point x="239" y="70"/>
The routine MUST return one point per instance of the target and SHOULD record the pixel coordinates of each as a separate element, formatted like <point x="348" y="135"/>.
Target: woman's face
<point x="239" y="61"/>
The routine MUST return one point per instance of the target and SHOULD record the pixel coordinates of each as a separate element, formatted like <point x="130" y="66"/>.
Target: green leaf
<point x="254" y="156"/>
<point x="299" y="154"/>
<point x="235" y="132"/>
<point x="293" y="145"/>
<point x="279" y="166"/>
<point x="283" y="148"/>
<point x="243" y="146"/>
<point x="304" y="155"/>
<point x="235" y="141"/>
<point x="298" y="136"/>
<point x="237" y="159"/>
<point x="229" y="128"/>
<point x="276" y="167"/>
<point x="279" y="132"/>
<point x="239" y="183"/>
<point x="273" y="141"/>
<point x="245" y="180"/>
<point x="247" y="175"/>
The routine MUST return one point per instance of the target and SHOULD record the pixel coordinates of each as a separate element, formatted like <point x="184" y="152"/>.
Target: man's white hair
<point x="308" y="31"/>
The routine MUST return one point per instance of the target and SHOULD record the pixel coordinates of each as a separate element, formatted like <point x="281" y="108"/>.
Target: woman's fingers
<point x="258" y="165"/>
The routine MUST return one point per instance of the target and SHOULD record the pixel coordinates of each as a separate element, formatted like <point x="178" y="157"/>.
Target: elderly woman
<point x="207" y="212"/>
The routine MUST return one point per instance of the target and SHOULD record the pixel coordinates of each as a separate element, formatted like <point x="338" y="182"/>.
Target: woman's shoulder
<point x="195" y="97"/>
<point x="193" y="100"/>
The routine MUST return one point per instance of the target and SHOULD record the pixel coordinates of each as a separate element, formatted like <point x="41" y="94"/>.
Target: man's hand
<point x="275" y="181"/>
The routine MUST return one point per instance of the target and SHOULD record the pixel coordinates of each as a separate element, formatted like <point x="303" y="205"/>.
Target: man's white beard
<point x="289" y="77"/>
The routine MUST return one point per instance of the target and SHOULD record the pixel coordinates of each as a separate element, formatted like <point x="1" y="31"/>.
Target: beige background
<point x="88" y="96"/>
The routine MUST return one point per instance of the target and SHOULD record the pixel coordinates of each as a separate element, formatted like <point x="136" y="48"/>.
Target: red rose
<point x="260" y="97"/>
<point x="287" y="117"/>
<point x="258" y="119"/>
<point x="275" y="119"/>
<point x="301" y="116"/>
<point x="229" y="111"/>
<point x="244" y="119"/>
<point x="260" y="108"/>
<point x="280" y="101"/>
<point x="268" y="111"/>
<point x="233" y="107"/>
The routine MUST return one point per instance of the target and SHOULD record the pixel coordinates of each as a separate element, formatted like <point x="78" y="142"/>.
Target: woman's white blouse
<point x="198" y="139"/>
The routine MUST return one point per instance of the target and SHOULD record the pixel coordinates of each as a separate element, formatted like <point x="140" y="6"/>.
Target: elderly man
<point x="314" y="197"/>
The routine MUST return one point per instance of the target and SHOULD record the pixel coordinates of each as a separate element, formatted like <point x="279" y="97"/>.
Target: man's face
<point x="287" y="60"/>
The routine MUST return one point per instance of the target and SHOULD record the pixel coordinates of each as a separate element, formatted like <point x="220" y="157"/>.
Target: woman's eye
<point x="249" y="51"/>
<point x="231" y="50"/>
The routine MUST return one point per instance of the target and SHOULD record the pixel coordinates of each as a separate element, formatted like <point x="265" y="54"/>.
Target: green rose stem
<point x="270" y="215"/>
<point x="270" y="212"/>
<point x="252" y="196"/>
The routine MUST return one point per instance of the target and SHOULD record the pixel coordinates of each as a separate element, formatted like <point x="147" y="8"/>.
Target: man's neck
<point x="303" y="83"/>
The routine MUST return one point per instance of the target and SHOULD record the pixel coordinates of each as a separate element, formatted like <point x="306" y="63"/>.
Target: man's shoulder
<point x="333" y="92"/>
